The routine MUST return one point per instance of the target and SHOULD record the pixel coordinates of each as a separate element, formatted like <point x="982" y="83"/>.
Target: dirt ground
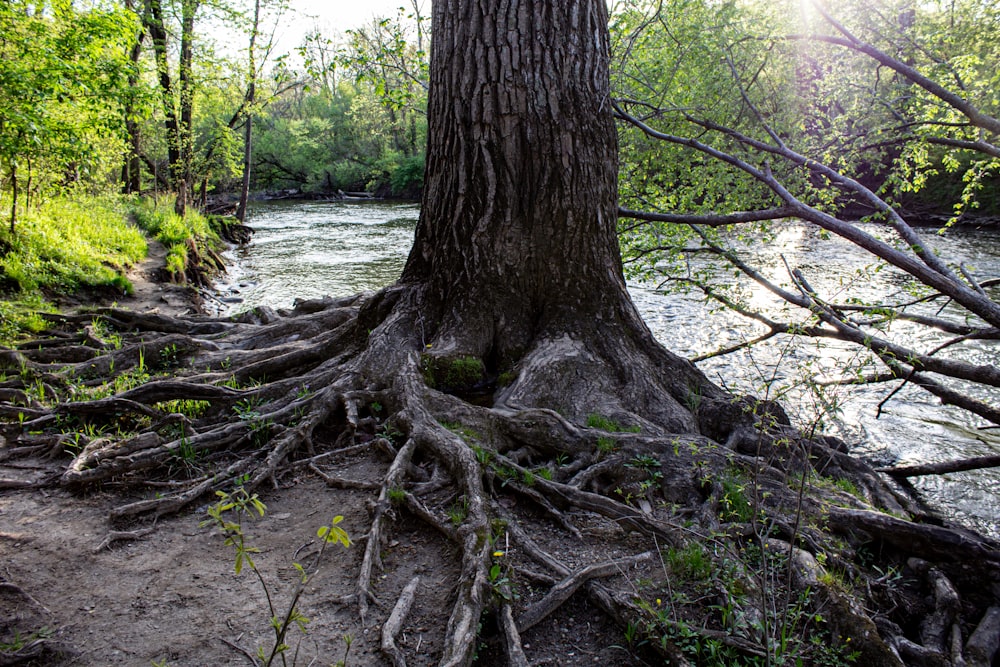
<point x="171" y="597"/>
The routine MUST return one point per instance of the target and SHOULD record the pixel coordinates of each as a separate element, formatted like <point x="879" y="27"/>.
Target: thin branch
<point x="711" y="220"/>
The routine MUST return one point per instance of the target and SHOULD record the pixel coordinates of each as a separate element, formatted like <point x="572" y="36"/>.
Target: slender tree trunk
<point x="156" y="27"/>
<point x="185" y="128"/>
<point x="132" y="164"/>
<point x="241" y="210"/>
<point x="13" y="196"/>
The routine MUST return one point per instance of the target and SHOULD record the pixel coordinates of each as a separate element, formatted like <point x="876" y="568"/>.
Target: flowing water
<point x="305" y="250"/>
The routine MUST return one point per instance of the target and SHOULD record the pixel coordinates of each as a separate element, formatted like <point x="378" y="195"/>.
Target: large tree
<point x="508" y="377"/>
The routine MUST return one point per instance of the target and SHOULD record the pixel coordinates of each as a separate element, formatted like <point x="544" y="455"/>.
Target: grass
<point x="611" y="426"/>
<point x="67" y="245"/>
<point x="59" y="248"/>
<point x="158" y="219"/>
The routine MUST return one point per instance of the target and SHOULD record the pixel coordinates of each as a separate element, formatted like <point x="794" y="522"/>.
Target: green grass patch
<point x="65" y="245"/>
<point x="178" y="234"/>
<point x="609" y="425"/>
<point x="59" y="248"/>
<point x="158" y="219"/>
<point x="20" y="317"/>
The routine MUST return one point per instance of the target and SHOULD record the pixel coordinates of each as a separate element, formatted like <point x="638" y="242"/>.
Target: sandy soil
<point x="171" y="596"/>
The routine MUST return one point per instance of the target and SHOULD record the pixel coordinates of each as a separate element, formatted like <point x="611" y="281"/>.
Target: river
<point x="312" y="249"/>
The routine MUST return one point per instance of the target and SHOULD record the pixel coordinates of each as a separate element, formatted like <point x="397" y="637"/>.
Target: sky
<point x="335" y="15"/>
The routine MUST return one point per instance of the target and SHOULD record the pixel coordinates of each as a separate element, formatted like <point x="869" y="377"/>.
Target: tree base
<point x="702" y="525"/>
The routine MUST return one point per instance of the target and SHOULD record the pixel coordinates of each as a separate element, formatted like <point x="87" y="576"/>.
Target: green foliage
<point x="609" y="425"/>
<point x="63" y="70"/>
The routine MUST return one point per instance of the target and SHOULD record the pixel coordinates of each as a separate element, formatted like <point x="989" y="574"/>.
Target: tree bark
<point x="517" y="224"/>
<point x="185" y="128"/>
<point x="131" y="178"/>
<point x="154" y="24"/>
<point x="515" y="249"/>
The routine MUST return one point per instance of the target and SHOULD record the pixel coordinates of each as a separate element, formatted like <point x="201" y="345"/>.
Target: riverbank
<point x="70" y="254"/>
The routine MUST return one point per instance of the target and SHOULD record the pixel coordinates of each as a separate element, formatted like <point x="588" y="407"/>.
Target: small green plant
<point x="170" y="356"/>
<point x="18" y="642"/>
<point x="458" y="511"/>
<point x="611" y="426"/>
<point x="397" y="496"/>
<point x="242" y="504"/>
<point x="649" y="465"/>
<point x="499" y="575"/>
<point x="465" y="432"/>
<point x="483" y="455"/>
<point x="190" y="408"/>
<point x="848" y="486"/>
<point x="606" y="445"/>
<point x="734" y="505"/>
<point x="689" y="563"/>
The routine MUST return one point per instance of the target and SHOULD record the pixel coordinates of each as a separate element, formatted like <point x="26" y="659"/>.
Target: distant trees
<point x="358" y="118"/>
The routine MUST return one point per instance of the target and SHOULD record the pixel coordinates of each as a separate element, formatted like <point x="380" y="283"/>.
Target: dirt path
<point x="172" y="598"/>
<point x="151" y="291"/>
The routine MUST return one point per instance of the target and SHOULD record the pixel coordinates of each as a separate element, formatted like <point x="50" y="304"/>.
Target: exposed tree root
<point x="393" y="626"/>
<point x="703" y="516"/>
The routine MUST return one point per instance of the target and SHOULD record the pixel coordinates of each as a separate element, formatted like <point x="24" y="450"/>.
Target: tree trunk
<point x="517" y="223"/>
<point x="185" y="129"/>
<point x="154" y="23"/>
<point x="13" y="196"/>
<point x="132" y="164"/>
<point x="251" y="98"/>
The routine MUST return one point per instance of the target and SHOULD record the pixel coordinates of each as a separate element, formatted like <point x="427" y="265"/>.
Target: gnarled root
<point x="710" y="523"/>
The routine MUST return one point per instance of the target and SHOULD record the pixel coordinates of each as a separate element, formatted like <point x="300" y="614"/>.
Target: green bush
<point x="408" y="174"/>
